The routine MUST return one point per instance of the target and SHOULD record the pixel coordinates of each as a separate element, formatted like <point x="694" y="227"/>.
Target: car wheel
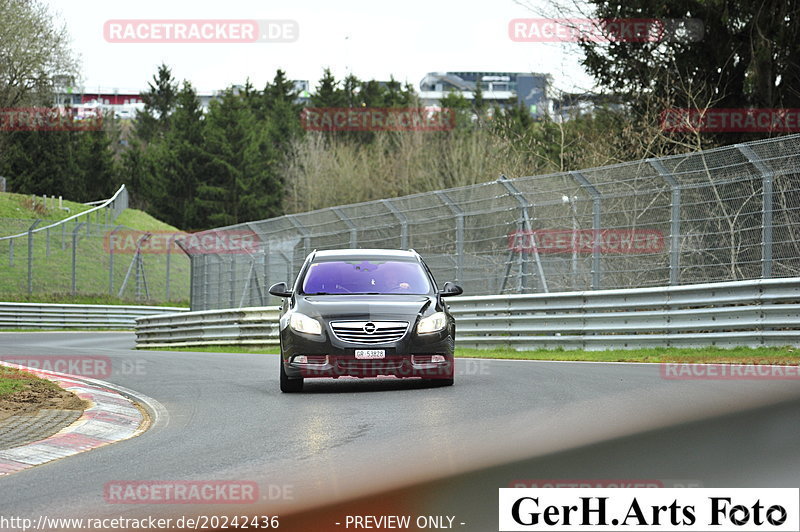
<point x="290" y="385"/>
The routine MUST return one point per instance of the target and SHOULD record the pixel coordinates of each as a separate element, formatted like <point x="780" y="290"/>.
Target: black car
<point x="365" y="313"/>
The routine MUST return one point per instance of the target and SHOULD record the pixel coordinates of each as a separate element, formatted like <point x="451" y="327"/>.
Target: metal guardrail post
<point x="458" y="212"/>
<point x="30" y="255"/>
<point x="525" y="206"/>
<point x="400" y="218"/>
<point x="766" y="196"/>
<point x="74" y="256"/>
<point x="596" y="221"/>
<point x="675" y="221"/>
<point x="349" y="223"/>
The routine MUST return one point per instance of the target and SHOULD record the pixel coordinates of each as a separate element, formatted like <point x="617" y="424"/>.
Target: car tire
<point x="290" y="385"/>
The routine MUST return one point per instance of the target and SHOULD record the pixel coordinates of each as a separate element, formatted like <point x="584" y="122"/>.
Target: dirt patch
<point x="31" y="394"/>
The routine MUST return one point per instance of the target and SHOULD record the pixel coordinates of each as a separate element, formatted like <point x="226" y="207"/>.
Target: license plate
<point x="370" y="353"/>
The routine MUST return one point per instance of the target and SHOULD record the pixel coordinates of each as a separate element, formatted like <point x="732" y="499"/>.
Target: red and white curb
<point x="112" y="417"/>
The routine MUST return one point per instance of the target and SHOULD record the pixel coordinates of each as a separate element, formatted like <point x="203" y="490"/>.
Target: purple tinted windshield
<point x="366" y="277"/>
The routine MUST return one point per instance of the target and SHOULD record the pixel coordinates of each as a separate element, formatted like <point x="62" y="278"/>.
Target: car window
<point x="366" y="277"/>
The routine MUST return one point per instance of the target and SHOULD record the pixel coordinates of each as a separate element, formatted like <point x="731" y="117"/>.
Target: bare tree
<point x="34" y="49"/>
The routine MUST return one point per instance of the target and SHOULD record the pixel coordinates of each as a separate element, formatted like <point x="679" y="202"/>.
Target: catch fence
<point x="89" y="254"/>
<point x="726" y="214"/>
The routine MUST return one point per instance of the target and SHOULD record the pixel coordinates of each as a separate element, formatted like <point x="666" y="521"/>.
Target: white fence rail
<point x="742" y="313"/>
<point x="54" y="316"/>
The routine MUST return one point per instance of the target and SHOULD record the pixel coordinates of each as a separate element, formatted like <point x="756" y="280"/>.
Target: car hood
<point x="363" y="306"/>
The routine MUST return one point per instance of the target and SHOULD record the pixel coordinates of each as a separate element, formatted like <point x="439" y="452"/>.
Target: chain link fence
<point x="726" y="214"/>
<point x="88" y="254"/>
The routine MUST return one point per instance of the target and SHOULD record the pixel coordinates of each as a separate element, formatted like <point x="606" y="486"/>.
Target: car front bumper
<point x="428" y="356"/>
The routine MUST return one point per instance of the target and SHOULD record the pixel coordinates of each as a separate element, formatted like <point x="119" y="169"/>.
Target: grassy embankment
<point x="52" y="269"/>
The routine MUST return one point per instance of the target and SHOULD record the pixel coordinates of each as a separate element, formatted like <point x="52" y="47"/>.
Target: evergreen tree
<point x="159" y="102"/>
<point x="328" y="93"/>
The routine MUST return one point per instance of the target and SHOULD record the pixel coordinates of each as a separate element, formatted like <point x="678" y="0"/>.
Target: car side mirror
<point x="280" y="290"/>
<point x="451" y="289"/>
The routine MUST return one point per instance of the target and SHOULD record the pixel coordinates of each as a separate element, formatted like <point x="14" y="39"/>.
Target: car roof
<point x="371" y="253"/>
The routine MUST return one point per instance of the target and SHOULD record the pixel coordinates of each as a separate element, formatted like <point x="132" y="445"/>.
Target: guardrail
<point x="122" y="193"/>
<point x="742" y="313"/>
<point x="245" y="326"/>
<point x="55" y="316"/>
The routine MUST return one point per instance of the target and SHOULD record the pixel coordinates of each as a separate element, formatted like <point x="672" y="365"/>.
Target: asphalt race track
<point x="387" y="446"/>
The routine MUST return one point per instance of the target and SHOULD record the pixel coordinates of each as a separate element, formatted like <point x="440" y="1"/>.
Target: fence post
<point x="10" y="252"/>
<point x="304" y="232"/>
<point x="30" y="255"/>
<point x="349" y="223"/>
<point x="675" y="221"/>
<point x="525" y="206"/>
<point x="400" y="218"/>
<point x="74" y="256"/>
<point x="459" y="216"/>
<point x="232" y="270"/>
<point x="596" y="221"/>
<point x="766" y="197"/>
<point x="111" y="260"/>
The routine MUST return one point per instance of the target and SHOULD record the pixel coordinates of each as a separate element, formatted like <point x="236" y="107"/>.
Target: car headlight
<point x="434" y="322"/>
<point x="304" y="324"/>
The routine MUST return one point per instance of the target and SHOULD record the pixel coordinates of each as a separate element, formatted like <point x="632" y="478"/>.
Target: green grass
<point x="81" y="299"/>
<point x="266" y="350"/>
<point x="739" y="355"/>
<point x="761" y="355"/>
<point x="52" y="262"/>
<point x="12" y="380"/>
<point x="142" y="221"/>
<point x="21" y="207"/>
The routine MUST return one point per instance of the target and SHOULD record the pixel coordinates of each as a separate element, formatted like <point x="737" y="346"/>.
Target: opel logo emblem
<point x="370" y="327"/>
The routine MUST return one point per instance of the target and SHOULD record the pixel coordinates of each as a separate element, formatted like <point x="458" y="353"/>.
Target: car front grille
<point x="369" y="332"/>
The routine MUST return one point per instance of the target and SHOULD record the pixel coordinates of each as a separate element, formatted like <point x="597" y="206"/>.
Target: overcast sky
<point x="369" y="38"/>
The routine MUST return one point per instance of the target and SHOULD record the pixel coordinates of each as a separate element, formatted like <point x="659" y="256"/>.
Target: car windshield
<point x="366" y="277"/>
